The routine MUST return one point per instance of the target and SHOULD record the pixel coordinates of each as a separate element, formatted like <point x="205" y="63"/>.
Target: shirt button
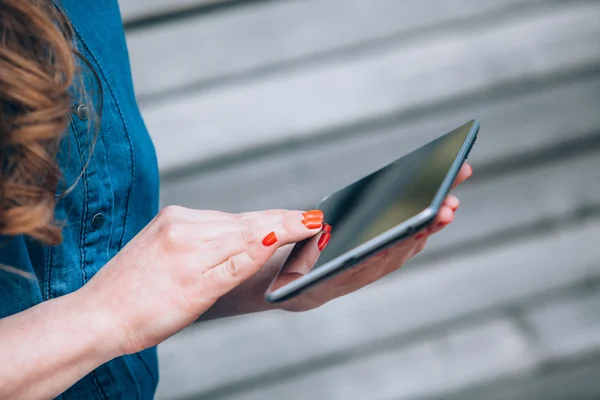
<point x="97" y="221"/>
<point x="83" y="112"/>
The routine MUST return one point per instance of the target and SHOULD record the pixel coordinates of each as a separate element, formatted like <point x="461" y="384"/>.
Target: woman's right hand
<point x="182" y="263"/>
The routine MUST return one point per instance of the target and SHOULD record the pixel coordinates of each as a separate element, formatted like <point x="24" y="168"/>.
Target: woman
<point x="92" y="279"/>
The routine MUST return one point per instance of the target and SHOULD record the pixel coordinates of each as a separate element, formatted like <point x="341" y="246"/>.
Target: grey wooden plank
<point x="137" y="9"/>
<point x="511" y="126"/>
<point x="402" y="77"/>
<point x="460" y="359"/>
<point x="255" y="37"/>
<point x="213" y="356"/>
<point x="577" y="381"/>
<point x="453" y="360"/>
<point x="567" y="327"/>
<point x="564" y="334"/>
<point x="510" y="203"/>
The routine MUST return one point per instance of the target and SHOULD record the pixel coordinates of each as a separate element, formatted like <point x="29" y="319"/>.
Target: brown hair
<point x="37" y="68"/>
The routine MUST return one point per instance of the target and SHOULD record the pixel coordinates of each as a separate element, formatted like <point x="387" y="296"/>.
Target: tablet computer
<point x="376" y="212"/>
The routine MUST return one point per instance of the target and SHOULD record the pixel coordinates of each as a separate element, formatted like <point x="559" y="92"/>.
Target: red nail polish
<point x="327" y="228"/>
<point x="323" y="240"/>
<point x="270" y="239"/>
<point x="313" y="223"/>
<point x="313" y="214"/>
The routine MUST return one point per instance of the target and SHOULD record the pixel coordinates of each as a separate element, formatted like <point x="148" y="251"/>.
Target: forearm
<point x="48" y="348"/>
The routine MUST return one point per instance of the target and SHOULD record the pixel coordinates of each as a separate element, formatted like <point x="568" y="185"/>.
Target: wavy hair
<point x="37" y="70"/>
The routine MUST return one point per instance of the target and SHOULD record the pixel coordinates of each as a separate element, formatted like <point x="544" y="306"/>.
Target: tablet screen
<point x="378" y="202"/>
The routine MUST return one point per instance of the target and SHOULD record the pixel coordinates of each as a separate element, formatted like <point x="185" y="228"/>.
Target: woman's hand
<point x="249" y="296"/>
<point x="162" y="281"/>
<point x="183" y="262"/>
<point x="380" y="265"/>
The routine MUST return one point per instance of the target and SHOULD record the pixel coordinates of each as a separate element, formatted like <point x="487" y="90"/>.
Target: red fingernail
<point x="313" y="223"/>
<point x="270" y="239"/>
<point x="421" y="235"/>
<point x="327" y="228"/>
<point x="313" y="214"/>
<point x="323" y="240"/>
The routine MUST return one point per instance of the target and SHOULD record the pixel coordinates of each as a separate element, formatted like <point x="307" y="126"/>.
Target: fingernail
<point x="313" y="214"/>
<point x="270" y="239"/>
<point x="313" y="223"/>
<point x="327" y="228"/>
<point x="323" y="240"/>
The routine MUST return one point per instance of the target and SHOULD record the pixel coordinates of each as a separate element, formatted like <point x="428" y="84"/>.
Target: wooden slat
<point x="465" y="357"/>
<point x="396" y="79"/>
<point x="530" y="197"/>
<point x="571" y="381"/>
<point x="567" y="327"/>
<point x="298" y="178"/>
<point x="260" y="35"/>
<point x="417" y="298"/>
<point x="445" y="363"/>
<point x="565" y="333"/>
<point x="132" y="10"/>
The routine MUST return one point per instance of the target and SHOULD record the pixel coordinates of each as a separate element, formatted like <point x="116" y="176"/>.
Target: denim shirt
<point x="116" y="196"/>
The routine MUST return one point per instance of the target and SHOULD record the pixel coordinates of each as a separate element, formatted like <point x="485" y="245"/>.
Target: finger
<point x="443" y="219"/>
<point x="287" y="231"/>
<point x="213" y="229"/>
<point x="452" y="202"/>
<point x="303" y="258"/>
<point x="309" y="218"/>
<point x="259" y="214"/>
<point x="465" y="173"/>
<point x="230" y="223"/>
<point x="237" y="268"/>
<point x="182" y="214"/>
<point x="312" y="219"/>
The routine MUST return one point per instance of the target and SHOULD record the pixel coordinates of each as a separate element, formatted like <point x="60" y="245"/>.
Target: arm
<point x="161" y="282"/>
<point x="49" y="347"/>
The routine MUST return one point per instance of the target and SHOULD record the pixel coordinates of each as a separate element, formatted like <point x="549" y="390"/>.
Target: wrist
<point x="106" y="336"/>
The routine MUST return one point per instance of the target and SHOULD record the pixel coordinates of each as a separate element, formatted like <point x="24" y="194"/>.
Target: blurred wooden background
<point x="256" y="104"/>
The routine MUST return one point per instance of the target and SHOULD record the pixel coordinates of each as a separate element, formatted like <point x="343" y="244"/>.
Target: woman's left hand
<point x="249" y="297"/>
<point x="380" y="265"/>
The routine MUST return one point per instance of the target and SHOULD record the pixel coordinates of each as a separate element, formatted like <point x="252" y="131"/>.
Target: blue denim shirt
<point x="115" y="198"/>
